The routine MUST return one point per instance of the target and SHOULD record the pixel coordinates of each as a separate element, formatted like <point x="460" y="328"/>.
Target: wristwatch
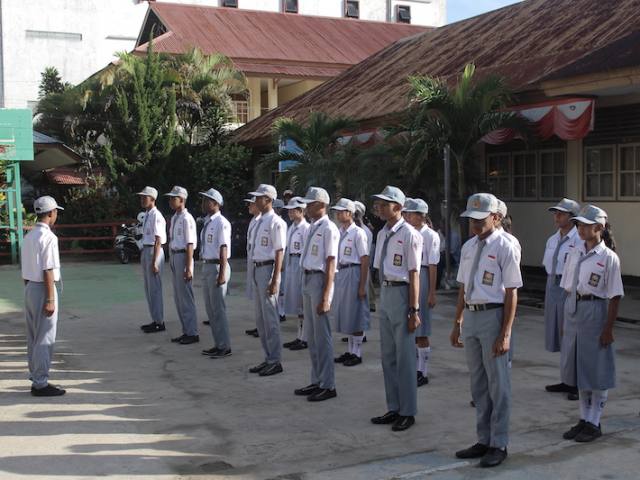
<point x="414" y="310"/>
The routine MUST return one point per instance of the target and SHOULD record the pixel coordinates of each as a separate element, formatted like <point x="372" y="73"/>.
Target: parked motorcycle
<point x="128" y="243"/>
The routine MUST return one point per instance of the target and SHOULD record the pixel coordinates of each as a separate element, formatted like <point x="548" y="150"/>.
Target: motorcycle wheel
<point x="124" y="256"/>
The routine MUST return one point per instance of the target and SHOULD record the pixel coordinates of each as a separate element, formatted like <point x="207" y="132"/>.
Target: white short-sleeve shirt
<point x="270" y="235"/>
<point x="599" y="274"/>
<point x="498" y="269"/>
<point x="39" y="253"/>
<point x="516" y="243"/>
<point x="183" y="231"/>
<point x="296" y="236"/>
<point x="252" y="224"/>
<point x="215" y="233"/>
<point x="430" y="246"/>
<point x="154" y="225"/>
<point x="404" y="251"/>
<point x="323" y="240"/>
<point x="565" y="250"/>
<point x="353" y="245"/>
<point x="369" y="233"/>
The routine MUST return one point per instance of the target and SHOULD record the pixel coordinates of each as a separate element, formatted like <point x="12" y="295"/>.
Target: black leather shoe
<point x="574" y="431"/>
<point x="206" y="322"/>
<point x="589" y="433"/>
<point x="283" y="318"/>
<point x="573" y="396"/>
<point x="352" y="361"/>
<point x="290" y="344"/>
<point x="178" y="339"/>
<point x="475" y="451"/>
<point x="221" y="353"/>
<point x="345" y="339"/>
<point x="403" y="423"/>
<point x="251" y="332"/>
<point x="189" y="339"/>
<point x="308" y="390"/>
<point x="422" y="380"/>
<point x="48" y="391"/>
<point x="255" y="333"/>
<point x="154" y="327"/>
<point x="147" y="325"/>
<point x="211" y="351"/>
<point x="299" y="346"/>
<point x="493" y="457"/>
<point x="342" y="358"/>
<point x="272" y="369"/>
<point x="258" y="368"/>
<point x="558" y="388"/>
<point x="386" y="419"/>
<point x="322" y="395"/>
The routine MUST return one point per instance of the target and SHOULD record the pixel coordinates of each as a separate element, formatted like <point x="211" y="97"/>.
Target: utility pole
<point x="447" y="215"/>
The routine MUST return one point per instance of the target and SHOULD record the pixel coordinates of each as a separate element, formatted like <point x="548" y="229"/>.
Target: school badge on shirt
<point x="397" y="260"/>
<point x="209" y="238"/>
<point x="487" y="278"/>
<point x="264" y="241"/>
<point x="296" y="245"/>
<point x="594" y="279"/>
<point x="347" y="251"/>
<point x="314" y="249"/>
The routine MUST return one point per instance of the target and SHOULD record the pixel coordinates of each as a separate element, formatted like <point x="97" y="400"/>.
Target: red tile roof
<point x="66" y="176"/>
<point x="527" y="43"/>
<point x="274" y="44"/>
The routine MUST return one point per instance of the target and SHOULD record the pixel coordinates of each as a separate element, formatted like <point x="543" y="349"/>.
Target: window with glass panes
<point x="499" y="174"/>
<point x="553" y="166"/>
<point x="629" y="171"/>
<point x="525" y="175"/>
<point x="599" y="169"/>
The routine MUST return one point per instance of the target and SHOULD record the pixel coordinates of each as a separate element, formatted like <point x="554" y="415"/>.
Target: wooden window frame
<point x="619" y="172"/>
<point x="346" y="9"/>
<point x="508" y="176"/>
<point x="535" y="175"/>
<point x="553" y="175"/>
<point x="614" y="162"/>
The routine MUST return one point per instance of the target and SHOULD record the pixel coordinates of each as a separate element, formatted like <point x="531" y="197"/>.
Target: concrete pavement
<point x="141" y="407"/>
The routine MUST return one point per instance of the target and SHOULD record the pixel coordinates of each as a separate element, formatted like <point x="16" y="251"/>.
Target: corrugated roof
<point x="272" y="43"/>
<point x="526" y="42"/>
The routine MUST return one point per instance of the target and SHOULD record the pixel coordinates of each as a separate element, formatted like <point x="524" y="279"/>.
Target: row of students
<point x="328" y="258"/>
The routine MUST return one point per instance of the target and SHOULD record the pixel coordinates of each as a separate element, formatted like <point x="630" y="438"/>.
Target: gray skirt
<point x="293" y="287"/>
<point x="350" y="313"/>
<point x="424" y="330"/>
<point x="584" y="362"/>
<point x="554" y="300"/>
<point x="249" y="284"/>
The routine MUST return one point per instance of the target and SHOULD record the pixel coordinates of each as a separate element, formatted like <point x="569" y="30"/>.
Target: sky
<point x="461" y="9"/>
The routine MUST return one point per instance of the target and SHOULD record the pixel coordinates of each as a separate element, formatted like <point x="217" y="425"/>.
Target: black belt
<point x="148" y="246"/>
<point x="348" y="265"/>
<point x="312" y="272"/>
<point x="263" y="264"/>
<point x="215" y="261"/>
<point x="588" y="298"/>
<point x="184" y="250"/>
<point x="393" y="283"/>
<point x="483" y="306"/>
<point x="295" y="254"/>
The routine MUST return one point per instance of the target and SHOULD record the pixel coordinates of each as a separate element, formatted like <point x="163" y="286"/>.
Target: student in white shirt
<point x="296" y="237"/>
<point x="593" y="281"/>
<point x="360" y="221"/>
<point x="269" y="237"/>
<point x="255" y="216"/>
<point x="558" y="248"/>
<point x="319" y="267"/>
<point x="351" y="306"/>
<point x="183" y="240"/>
<point x="489" y="276"/>
<point x="40" y="270"/>
<point x="416" y="212"/>
<point x="154" y="236"/>
<point x="397" y="258"/>
<point x="215" y="245"/>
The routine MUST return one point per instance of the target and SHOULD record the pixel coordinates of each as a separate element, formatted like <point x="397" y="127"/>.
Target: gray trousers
<point x="183" y="295"/>
<point x="317" y="329"/>
<point x="41" y="333"/>
<point x="153" y="284"/>
<point x="398" y="348"/>
<point x="215" y="304"/>
<point x="267" y="318"/>
<point x="490" y="376"/>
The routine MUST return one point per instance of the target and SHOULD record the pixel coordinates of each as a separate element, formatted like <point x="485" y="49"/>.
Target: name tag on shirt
<point x="209" y="238"/>
<point x="594" y="279"/>
<point x="264" y="241"/>
<point x="314" y="250"/>
<point x="487" y="278"/>
<point x="179" y="233"/>
<point x="397" y="260"/>
<point x="296" y="245"/>
<point x="347" y="251"/>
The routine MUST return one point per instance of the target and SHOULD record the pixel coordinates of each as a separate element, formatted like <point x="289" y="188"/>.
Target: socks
<point x="423" y="359"/>
<point x="357" y="344"/>
<point x="300" y="331"/>
<point x="585" y="405"/>
<point x="598" y="401"/>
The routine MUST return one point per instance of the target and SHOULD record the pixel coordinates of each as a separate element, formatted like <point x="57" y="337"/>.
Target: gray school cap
<point x="566" y="205"/>
<point x="590" y="214"/>
<point x="149" y="192"/>
<point x="316" y="194"/>
<point x="214" y="195"/>
<point x="502" y="208"/>
<point x="278" y="203"/>
<point x="265" y="190"/>
<point x="344" y="204"/>
<point x="250" y="200"/>
<point x="415" y="205"/>
<point x="46" y="204"/>
<point x="360" y="208"/>
<point x="480" y="206"/>
<point x="391" y="194"/>
<point x="177" y="192"/>
<point x="295" y="202"/>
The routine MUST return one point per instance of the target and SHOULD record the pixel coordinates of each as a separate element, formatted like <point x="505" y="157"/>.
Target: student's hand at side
<point x="501" y="345"/>
<point x="432" y="300"/>
<point x="323" y="307"/>
<point x="49" y="308"/>
<point x="362" y="293"/>
<point x="413" y="322"/>
<point x="455" y="336"/>
<point x="272" y="289"/>
<point x="606" y="337"/>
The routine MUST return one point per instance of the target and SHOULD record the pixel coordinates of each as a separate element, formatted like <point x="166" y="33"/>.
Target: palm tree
<point x="458" y="116"/>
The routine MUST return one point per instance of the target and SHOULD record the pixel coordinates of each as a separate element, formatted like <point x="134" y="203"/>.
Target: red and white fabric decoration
<point x="568" y="119"/>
